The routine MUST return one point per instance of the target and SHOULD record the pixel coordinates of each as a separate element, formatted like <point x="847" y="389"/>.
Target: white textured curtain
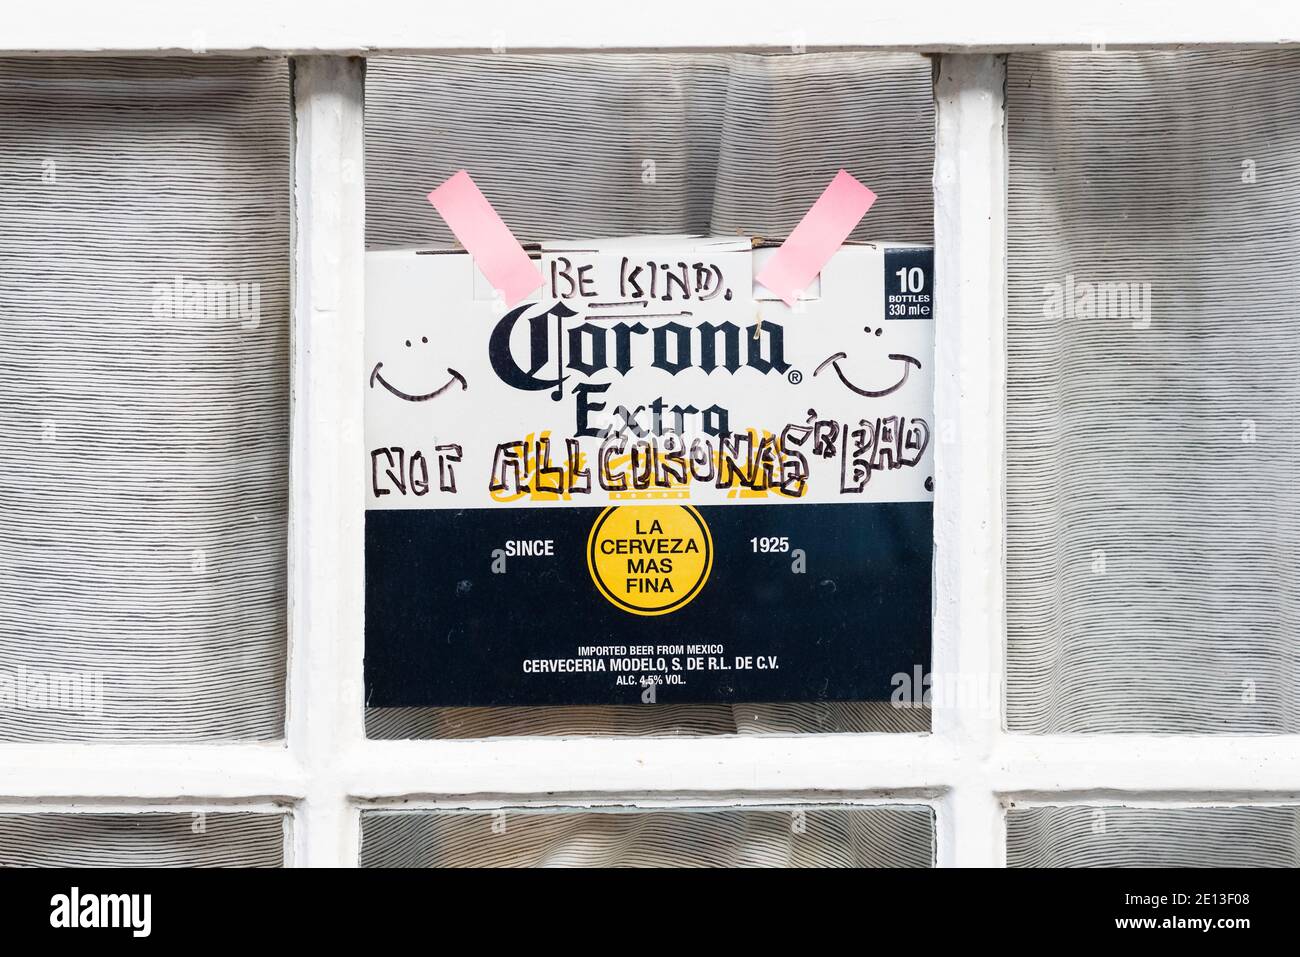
<point x="1153" y="436"/>
<point x="581" y="146"/>
<point x="144" y="264"/>
<point x="151" y="839"/>
<point x="895" y="836"/>
<point x="574" y="147"/>
<point x="1076" y="836"/>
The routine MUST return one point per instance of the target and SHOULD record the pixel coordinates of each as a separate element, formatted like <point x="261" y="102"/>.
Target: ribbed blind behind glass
<point x="153" y="839"/>
<point x="1153" y="837"/>
<point x="143" y="403"/>
<point x="575" y="147"/>
<point x="895" y="836"/>
<point x="1153" y="441"/>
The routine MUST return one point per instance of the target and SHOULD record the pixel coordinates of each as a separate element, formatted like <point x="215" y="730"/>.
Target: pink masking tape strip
<point x="819" y="234"/>
<point x="487" y="238"/>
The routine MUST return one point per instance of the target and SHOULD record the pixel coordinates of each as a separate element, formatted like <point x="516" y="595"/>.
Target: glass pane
<point x="144" y="398"/>
<point x="646" y="720"/>
<point x="808" y="836"/>
<point x="1152" y="837"/>
<point x="1153" y="467"/>
<point x="189" y="839"/>
<point x="576" y="147"/>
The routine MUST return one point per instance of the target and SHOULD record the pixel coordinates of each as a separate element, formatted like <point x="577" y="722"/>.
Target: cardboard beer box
<point x="652" y="481"/>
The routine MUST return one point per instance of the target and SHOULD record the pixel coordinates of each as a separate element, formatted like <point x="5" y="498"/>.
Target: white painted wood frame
<point x="968" y="769"/>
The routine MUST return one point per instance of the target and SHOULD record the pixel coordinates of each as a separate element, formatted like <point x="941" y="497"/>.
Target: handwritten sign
<point x="646" y="483"/>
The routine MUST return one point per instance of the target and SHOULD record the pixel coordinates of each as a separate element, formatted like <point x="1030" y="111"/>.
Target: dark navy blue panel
<point x="443" y="630"/>
<point x="909" y="284"/>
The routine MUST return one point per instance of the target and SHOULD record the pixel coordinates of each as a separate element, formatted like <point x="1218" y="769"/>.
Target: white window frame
<point x="968" y="768"/>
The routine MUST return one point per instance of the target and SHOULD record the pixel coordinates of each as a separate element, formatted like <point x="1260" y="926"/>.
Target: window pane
<point x="190" y="839"/>
<point x="575" y="146"/>
<point x="895" y="836"/>
<point x="1152" y="837"/>
<point x="1153" y="501"/>
<point x="144" y="398"/>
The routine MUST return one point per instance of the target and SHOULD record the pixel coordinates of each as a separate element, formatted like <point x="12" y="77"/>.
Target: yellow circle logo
<point x="650" y="559"/>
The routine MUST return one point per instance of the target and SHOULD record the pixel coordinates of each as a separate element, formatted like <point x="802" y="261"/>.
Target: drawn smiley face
<point x="454" y="378"/>
<point x="834" y="362"/>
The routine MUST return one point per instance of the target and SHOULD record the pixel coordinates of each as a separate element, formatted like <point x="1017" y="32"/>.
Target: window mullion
<point x="327" y="500"/>
<point x="970" y="373"/>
